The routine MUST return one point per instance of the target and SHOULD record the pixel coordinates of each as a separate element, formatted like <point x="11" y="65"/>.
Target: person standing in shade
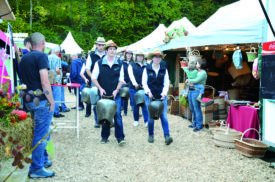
<point x="55" y="65"/>
<point x="194" y="92"/>
<point x="34" y="71"/>
<point x="27" y="45"/>
<point x="127" y="60"/>
<point x="93" y="57"/>
<point x="108" y="77"/>
<point x="135" y="70"/>
<point x="155" y="81"/>
<point x="76" y="78"/>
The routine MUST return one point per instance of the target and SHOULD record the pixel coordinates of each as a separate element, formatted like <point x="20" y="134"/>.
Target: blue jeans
<point x="195" y="107"/>
<point x="56" y="97"/>
<point x="63" y="105"/>
<point x="105" y="129"/>
<point x="163" y="118"/>
<point x="136" y="108"/>
<point x="42" y="121"/>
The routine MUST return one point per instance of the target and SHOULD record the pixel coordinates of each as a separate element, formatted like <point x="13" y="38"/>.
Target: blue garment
<point x="63" y="63"/>
<point x="75" y="71"/>
<point x="155" y="82"/>
<point x="119" y="133"/>
<point x="136" y="108"/>
<point x="56" y="97"/>
<point x="108" y="78"/>
<point x="63" y="105"/>
<point x="24" y="51"/>
<point x="163" y="119"/>
<point x="195" y="107"/>
<point x="42" y="120"/>
<point x="237" y="59"/>
<point x="54" y="62"/>
<point x="200" y="87"/>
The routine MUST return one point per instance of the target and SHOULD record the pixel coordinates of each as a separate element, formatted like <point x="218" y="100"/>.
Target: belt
<point x="193" y="88"/>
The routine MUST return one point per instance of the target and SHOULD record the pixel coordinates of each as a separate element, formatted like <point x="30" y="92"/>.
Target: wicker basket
<point x="251" y="147"/>
<point x="251" y="55"/>
<point x="174" y="108"/>
<point x="225" y="137"/>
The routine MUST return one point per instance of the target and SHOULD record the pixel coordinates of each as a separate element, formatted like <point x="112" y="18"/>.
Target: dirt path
<point x="191" y="157"/>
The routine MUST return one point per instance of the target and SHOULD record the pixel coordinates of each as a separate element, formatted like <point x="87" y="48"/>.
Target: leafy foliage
<point x="123" y="21"/>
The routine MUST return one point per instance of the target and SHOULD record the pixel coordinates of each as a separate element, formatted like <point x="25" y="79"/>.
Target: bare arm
<point x="47" y="87"/>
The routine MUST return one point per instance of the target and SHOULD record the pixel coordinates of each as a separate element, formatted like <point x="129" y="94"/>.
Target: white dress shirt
<point x="131" y="75"/>
<point x="95" y="72"/>
<point x="145" y="79"/>
<point x="83" y="69"/>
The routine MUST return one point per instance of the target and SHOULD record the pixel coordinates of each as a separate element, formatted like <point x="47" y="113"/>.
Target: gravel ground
<point x="191" y="157"/>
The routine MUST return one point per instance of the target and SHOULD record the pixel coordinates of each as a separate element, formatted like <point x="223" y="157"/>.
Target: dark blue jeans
<point x="42" y="121"/>
<point x="136" y="108"/>
<point x="195" y="107"/>
<point x="63" y="105"/>
<point x="163" y="118"/>
<point x="119" y="133"/>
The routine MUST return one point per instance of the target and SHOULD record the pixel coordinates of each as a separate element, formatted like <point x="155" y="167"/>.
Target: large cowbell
<point x="140" y="98"/>
<point x="106" y="110"/>
<point x="155" y="109"/>
<point x="90" y="95"/>
<point x="124" y="93"/>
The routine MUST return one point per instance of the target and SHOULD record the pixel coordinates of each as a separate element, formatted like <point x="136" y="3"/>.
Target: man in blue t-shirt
<point x="34" y="71"/>
<point x="27" y="44"/>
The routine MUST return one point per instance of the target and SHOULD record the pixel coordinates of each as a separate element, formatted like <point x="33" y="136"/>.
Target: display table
<point x="242" y="118"/>
<point x="76" y="121"/>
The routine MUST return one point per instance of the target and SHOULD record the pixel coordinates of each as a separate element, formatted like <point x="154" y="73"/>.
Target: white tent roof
<point x="182" y="22"/>
<point x="70" y="46"/>
<point x="237" y="23"/>
<point x="152" y="40"/>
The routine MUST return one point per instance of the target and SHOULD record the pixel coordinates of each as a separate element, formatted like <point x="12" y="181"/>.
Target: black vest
<point x="137" y="72"/>
<point x="94" y="58"/>
<point x="108" y="78"/>
<point x="126" y="74"/>
<point x="155" y="83"/>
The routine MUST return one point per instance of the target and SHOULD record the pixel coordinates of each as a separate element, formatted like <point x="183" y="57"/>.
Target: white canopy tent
<point x="152" y="40"/>
<point x="238" y="23"/>
<point x="70" y="46"/>
<point x="182" y="22"/>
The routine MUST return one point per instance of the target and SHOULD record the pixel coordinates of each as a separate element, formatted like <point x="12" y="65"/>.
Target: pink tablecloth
<point x="242" y="118"/>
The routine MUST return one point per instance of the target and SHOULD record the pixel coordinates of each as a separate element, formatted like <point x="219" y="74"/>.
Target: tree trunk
<point x="30" y="16"/>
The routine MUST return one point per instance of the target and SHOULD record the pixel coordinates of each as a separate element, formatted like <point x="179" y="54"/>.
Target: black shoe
<point x="73" y="108"/>
<point x="67" y="110"/>
<point x="58" y="115"/>
<point x="125" y="114"/>
<point x="87" y="115"/>
<point x="191" y="126"/>
<point x="104" y="140"/>
<point x="151" y="139"/>
<point x="168" y="140"/>
<point x="197" y="129"/>
<point x="97" y="125"/>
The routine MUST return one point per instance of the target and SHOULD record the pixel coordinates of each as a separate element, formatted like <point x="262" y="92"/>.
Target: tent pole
<point x="267" y="18"/>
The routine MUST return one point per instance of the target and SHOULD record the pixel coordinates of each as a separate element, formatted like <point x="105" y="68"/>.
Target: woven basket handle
<point x="248" y="130"/>
<point x="172" y="97"/>
<point x="252" y="50"/>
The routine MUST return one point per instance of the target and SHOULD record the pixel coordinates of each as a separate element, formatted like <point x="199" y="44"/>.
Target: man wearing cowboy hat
<point x="108" y="77"/>
<point x="155" y="81"/>
<point x="99" y="53"/>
